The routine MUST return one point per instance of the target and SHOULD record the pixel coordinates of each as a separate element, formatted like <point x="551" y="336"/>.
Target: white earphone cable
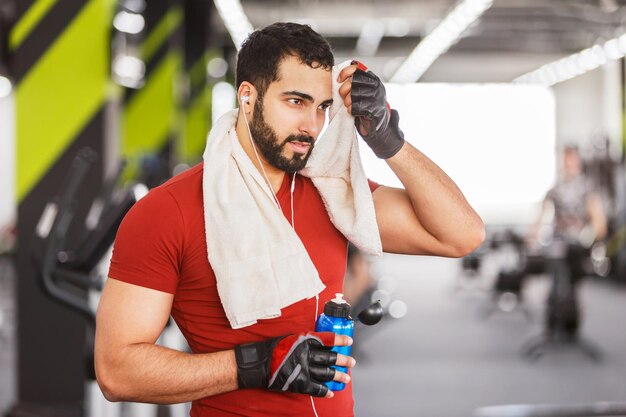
<point x="317" y="303"/>
<point x="293" y="187"/>
<point x="293" y="223"/>
<point x="269" y="184"/>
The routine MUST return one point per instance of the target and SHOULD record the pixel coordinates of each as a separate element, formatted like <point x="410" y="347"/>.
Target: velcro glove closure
<point x="296" y="363"/>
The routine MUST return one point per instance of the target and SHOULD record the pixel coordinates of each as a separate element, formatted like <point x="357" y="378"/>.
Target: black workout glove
<point x="297" y="363"/>
<point x="376" y="122"/>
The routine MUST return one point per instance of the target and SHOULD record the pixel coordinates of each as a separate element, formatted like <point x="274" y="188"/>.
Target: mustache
<point x="300" y="138"/>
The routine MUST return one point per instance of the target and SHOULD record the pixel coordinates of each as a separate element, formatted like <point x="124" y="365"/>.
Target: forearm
<point x="598" y="218"/>
<point x="438" y="203"/>
<point x="150" y="373"/>
<point x="533" y="231"/>
<point x="437" y="220"/>
<point x="599" y="228"/>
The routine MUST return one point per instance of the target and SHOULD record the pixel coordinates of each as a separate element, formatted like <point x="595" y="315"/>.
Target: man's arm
<point x="533" y="232"/>
<point x="597" y="216"/>
<point x="430" y="216"/>
<point x="130" y="367"/>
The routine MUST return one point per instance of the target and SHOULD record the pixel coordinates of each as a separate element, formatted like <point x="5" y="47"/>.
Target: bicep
<point x="130" y="314"/>
<point x="400" y="229"/>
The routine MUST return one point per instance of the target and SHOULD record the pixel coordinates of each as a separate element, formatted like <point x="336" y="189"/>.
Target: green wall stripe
<point x="161" y="32"/>
<point x="197" y="125"/>
<point x="28" y="22"/>
<point x="151" y="113"/>
<point x="198" y="71"/>
<point x="61" y="93"/>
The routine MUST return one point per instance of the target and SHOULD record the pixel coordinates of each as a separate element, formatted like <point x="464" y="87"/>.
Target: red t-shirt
<point x="161" y="245"/>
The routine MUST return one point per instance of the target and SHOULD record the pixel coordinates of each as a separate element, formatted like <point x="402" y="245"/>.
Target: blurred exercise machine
<point x="511" y="262"/>
<point x="507" y="290"/>
<point x="563" y="312"/>
<point x="75" y="276"/>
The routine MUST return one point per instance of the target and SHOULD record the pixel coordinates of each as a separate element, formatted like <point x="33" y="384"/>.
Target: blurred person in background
<point x="578" y="221"/>
<point x="277" y="364"/>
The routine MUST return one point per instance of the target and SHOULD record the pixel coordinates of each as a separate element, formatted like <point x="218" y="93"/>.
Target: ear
<point x="246" y="96"/>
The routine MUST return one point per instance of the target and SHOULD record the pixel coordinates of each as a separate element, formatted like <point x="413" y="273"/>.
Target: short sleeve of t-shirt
<point x="373" y="185"/>
<point x="149" y="242"/>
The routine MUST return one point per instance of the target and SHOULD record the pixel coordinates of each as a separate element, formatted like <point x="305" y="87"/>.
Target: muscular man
<point x="160" y="267"/>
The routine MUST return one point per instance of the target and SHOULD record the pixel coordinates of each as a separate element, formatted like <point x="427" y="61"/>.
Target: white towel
<point x="336" y="170"/>
<point x="260" y="264"/>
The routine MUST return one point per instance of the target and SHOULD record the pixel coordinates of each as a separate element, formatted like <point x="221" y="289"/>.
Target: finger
<point x="317" y="390"/>
<point x="345" y="89"/>
<point x="322" y="373"/>
<point x="347" y="361"/>
<point x="342" y="340"/>
<point x="326" y="338"/>
<point x="348" y="103"/>
<point x="360" y="109"/>
<point x="342" y="377"/>
<point x="346" y="73"/>
<point x="359" y="65"/>
<point x="360" y="92"/>
<point x="322" y="357"/>
<point x="366" y="79"/>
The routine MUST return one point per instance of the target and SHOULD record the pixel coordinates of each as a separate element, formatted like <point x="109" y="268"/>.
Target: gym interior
<point x="103" y="100"/>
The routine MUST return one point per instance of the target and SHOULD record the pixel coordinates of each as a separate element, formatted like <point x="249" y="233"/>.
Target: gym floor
<point x="443" y="358"/>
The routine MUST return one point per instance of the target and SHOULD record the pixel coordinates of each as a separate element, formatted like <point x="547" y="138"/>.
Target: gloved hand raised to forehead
<point x="297" y="363"/>
<point x="376" y="122"/>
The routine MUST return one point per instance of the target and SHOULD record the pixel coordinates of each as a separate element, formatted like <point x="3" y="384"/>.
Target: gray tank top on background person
<point x="570" y="208"/>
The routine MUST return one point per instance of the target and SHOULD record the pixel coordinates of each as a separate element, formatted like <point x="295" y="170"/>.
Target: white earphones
<point x="245" y="99"/>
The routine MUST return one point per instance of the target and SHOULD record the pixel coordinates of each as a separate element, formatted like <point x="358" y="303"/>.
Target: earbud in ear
<point x="245" y="99"/>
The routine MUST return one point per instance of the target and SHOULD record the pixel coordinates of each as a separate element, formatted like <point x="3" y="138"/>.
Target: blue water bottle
<point x="336" y="319"/>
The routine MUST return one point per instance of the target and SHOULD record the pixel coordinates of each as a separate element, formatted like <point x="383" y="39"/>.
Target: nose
<point x="309" y="124"/>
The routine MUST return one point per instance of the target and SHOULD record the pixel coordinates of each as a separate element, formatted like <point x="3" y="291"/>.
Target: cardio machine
<point x="73" y="275"/>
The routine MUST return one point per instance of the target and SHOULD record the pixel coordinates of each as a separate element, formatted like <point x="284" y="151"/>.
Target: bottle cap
<point x="337" y="307"/>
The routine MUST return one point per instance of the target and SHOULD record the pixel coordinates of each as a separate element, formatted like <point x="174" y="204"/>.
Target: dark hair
<point x="262" y="52"/>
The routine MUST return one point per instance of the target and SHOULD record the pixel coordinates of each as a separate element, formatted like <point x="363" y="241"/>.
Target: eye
<point x="295" y="101"/>
<point x="324" y="107"/>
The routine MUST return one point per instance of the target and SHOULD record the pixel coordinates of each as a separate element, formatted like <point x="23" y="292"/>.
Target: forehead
<point x="294" y="75"/>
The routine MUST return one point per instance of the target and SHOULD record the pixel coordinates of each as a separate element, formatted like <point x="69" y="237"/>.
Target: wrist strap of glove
<point x="389" y="142"/>
<point x="253" y="363"/>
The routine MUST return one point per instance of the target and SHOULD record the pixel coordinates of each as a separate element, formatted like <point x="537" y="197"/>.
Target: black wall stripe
<point x="155" y="10"/>
<point x="43" y="35"/>
<point x="21" y="7"/>
<point x="196" y="30"/>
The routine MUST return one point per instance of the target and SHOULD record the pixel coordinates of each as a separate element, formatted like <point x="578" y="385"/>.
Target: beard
<point x="272" y="148"/>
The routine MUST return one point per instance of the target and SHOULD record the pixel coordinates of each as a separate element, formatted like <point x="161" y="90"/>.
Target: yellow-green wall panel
<point x="61" y="93"/>
<point x="150" y="115"/>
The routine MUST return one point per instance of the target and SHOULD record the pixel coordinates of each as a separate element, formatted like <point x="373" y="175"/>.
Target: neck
<point x="274" y="175"/>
